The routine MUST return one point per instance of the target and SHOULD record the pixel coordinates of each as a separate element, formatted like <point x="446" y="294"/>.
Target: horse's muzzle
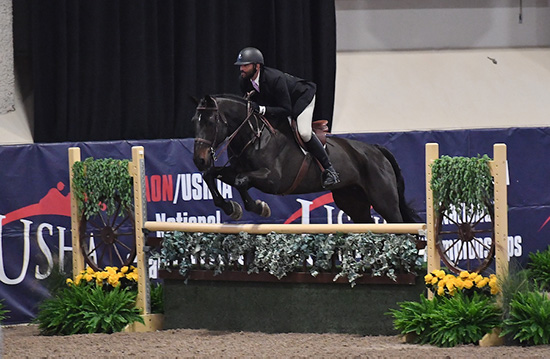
<point x="202" y="156"/>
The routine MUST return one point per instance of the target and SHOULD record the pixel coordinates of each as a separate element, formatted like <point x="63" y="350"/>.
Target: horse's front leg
<point x="231" y="208"/>
<point x="244" y="181"/>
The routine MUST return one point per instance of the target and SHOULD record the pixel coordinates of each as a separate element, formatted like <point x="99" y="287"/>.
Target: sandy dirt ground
<point x="24" y="341"/>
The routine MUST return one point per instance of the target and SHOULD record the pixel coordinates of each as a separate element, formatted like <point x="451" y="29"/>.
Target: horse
<point x="266" y="156"/>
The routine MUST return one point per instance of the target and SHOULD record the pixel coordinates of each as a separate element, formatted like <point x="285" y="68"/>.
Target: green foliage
<point x="280" y="254"/>
<point x="539" y="268"/>
<point x="517" y="280"/>
<point x="462" y="183"/>
<point x="3" y="311"/>
<point x="463" y="319"/>
<point x="86" y="309"/>
<point x="448" y="321"/>
<point x="157" y="298"/>
<point x="101" y="184"/>
<point x="415" y="317"/>
<point x="529" y="318"/>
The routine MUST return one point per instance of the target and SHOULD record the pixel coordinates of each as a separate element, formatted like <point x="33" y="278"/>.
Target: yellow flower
<point x="493" y="284"/>
<point x="99" y="282"/>
<point x="473" y="275"/>
<point x="89" y="270"/>
<point x="132" y="276"/>
<point x="441" y="283"/>
<point x="69" y="281"/>
<point x="113" y="280"/>
<point x="478" y="278"/>
<point x="124" y="269"/>
<point x="102" y="275"/>
<point x="482" y="283"/>
<point x="464" y="275"/>
<point x="440" y="291"/>
<point x="434" y="280"/>
<point x="450" y="285"/>
<point x="439" y="273"/>
<point x="88" y="277"/>
<point x="428" y="278"/>
<point x="78" y="278"/>
<point x="468" y="284"/>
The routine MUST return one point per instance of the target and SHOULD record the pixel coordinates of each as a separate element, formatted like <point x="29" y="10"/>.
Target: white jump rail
<point x="398" y="228"/>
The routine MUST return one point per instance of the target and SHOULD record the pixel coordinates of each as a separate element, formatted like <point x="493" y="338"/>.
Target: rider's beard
<point x="250" y="74"/>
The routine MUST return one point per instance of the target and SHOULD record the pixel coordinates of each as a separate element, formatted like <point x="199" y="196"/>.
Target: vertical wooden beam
<point x="434" y="261"/>
<point x="152" y="322"/>
<point x="137" y="171"/>
<point x="499" y="172"/>
<point x="78" y="258"/>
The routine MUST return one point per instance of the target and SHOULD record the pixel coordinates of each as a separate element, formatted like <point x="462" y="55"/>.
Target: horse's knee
<point x="242" y="181"/>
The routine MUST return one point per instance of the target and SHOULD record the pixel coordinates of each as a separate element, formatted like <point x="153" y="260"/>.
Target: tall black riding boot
<point x="315" y="147"/>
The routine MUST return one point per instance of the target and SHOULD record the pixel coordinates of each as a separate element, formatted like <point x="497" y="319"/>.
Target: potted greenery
<point x="463" y="310"/>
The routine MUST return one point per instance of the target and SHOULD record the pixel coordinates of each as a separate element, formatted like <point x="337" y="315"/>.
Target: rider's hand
<point x="257" y="108"/>
<point x="254" y="106"/>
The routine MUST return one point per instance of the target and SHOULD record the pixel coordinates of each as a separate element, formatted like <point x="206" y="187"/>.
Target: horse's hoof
<point x="266" y="211"/>
<point x="237" y="211"/>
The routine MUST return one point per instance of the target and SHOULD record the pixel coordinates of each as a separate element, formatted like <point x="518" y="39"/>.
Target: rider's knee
<point x="305" y="134"/>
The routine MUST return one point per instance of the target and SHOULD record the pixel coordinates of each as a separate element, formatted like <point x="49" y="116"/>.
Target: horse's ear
<point x="194" y="100"/>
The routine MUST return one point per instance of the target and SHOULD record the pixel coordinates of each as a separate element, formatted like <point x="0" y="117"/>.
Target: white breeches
<point x="304" y="121"/>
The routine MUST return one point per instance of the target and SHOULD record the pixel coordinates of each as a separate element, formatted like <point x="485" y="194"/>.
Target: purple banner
<point x="35" y="232"/>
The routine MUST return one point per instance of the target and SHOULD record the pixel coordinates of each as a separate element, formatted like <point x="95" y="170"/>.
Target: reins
<point x="261" y="124"/>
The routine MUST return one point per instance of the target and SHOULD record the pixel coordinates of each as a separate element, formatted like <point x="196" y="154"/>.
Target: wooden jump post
<point x="136" y="169"/>
<point x="498" y="171"/>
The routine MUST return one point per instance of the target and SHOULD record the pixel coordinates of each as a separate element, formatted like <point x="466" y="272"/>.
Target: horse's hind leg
<point x="354" y="202"/>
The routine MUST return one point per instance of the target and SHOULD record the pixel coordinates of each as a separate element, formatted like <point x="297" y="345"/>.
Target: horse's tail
<point x="408" y="213"/>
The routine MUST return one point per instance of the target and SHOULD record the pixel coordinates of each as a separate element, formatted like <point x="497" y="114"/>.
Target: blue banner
<point x="35" y="231"/>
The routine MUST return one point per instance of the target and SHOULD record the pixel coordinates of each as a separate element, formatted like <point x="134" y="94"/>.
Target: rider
<point x="280" y="95"/>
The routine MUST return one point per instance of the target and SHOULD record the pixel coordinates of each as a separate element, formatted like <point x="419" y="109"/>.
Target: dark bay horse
<point x="266" y="156"/>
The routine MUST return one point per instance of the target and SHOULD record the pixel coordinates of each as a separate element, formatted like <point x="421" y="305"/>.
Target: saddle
<point x="319" y="127"/>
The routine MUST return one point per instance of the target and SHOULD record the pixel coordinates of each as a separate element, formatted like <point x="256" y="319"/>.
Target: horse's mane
<point x="232" y="97"/>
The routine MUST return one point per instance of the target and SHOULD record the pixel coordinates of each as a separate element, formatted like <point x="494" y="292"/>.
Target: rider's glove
<point x="257" y="108"/>
<point x="254" y="106"/>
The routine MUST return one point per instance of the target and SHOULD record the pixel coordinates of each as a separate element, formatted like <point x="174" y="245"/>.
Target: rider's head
<point x="249" y="60"/>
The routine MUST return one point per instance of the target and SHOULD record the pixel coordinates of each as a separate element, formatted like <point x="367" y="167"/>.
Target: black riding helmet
<point x="250" y="55"/>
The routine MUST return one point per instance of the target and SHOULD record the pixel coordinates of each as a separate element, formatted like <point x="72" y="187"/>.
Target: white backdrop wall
<point x="451" y="89"/>
<point x="420" y="65"/>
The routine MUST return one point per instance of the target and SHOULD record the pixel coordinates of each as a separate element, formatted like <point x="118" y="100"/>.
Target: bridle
<point x="261" y="123"/>
<point x="219" y="116"/>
